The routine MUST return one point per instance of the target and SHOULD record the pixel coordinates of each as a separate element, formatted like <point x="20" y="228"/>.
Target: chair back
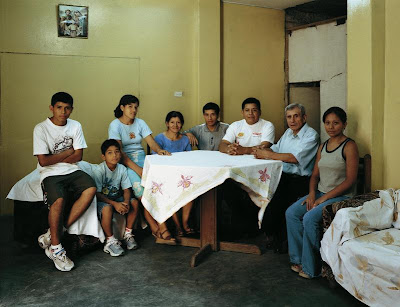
<point x="364" y="175"/>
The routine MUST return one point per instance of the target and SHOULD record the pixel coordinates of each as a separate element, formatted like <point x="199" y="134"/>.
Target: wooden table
<point x="159" y="171"/>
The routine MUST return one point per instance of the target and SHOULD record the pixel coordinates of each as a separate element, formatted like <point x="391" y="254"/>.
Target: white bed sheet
<point x="28" y="189"/>
<point x="363" y="250"/>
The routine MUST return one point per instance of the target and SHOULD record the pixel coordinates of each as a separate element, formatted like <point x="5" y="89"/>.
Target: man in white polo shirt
<point x="249" y="133"/>
<point x="240" y="139"/>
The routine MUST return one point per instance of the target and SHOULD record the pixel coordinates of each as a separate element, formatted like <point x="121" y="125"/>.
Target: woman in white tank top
<point x="333" y="179"/>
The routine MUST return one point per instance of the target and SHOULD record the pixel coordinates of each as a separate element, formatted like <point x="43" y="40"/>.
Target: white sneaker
<point x="130" y="241"/>
<point x="113" y="247"/>
<point x="60" y="259"/>
<point x="44" y="240"/>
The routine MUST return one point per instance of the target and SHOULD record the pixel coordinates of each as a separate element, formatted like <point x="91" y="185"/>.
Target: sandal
<point x="296" y="268"/>
<point x="304" y="275"/>
<point x="190" y="231"/>
<point x="179" y="233"/>
<point x="168" y="237"/>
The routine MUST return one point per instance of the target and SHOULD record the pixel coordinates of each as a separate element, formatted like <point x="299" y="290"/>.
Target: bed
<point x="30" y="213"/>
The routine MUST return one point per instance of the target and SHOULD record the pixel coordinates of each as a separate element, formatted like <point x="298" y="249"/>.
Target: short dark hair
<point x="251" y="100"/>
<point x="339" y="112"/>
<point x="126" y="99"/>
<point x="211" y="106"/>
<point x="174" y="114"/>
<point x="62" y="97"/>
<point x="107" y="144"/>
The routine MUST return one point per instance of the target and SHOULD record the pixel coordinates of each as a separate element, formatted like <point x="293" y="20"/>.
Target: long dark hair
<point x="126" y="99"/>
<point x="174" y="114"/>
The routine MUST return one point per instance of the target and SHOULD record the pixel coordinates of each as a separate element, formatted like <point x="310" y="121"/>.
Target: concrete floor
<point x="157" y="275"/>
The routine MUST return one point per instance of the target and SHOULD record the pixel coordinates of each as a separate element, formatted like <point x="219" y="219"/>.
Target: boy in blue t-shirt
<point x="114" y="194"/>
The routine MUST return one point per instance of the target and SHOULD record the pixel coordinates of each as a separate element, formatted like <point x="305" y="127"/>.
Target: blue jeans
<point x="303" y="230"/>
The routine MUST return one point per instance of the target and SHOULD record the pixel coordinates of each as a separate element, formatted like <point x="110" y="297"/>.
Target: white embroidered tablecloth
<point x="170" y="182"/>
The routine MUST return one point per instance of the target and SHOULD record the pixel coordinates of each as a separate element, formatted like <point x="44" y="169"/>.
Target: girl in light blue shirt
<point x="129" y="132"/>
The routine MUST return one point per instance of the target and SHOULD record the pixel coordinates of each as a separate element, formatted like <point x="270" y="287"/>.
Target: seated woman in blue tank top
<point x="173" y="140"/>
<point x="333" y="179"/>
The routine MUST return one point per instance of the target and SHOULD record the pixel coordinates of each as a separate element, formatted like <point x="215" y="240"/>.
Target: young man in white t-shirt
<point x="58" y="144"/>
<point x="249" y="133"/>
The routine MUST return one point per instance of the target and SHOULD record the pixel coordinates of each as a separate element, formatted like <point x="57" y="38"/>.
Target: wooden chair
<point x="364" y="175"/>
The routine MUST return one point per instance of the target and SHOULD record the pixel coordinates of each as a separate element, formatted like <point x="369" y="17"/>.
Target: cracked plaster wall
<point x="319" y="54"/>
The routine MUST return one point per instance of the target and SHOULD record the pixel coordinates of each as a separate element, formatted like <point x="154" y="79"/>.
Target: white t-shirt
<point x="250" y="135"/>
<point x="111" y="183"/>
<point x="52" y="139"/>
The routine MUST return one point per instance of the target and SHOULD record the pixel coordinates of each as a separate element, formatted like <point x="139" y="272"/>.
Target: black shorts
<point x="55" y="187"/>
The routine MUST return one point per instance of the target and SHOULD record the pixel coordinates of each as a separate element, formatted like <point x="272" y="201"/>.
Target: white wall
<point x="319" y="54"/>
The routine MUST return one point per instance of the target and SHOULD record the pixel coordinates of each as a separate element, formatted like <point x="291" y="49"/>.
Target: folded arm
<point x="269" y="154"/>
<point x="51" y="159"/>
<point x="236" y="149"/>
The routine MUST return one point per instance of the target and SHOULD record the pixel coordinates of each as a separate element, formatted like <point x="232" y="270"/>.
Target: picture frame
<point x="73" y="21"/>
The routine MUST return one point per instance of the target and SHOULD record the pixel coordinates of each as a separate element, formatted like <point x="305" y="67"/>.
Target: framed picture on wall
<point x="72" y="21"/>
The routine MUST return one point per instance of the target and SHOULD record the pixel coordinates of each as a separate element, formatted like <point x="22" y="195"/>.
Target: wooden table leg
<point x="208" y="233"/>
<point x="240" y="248"/>
<point x="200" y="255"/>
<point x="208" y="226"/>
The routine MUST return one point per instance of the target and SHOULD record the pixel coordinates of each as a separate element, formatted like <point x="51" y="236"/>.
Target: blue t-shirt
<point x="130" y="135"/>
<point x="182" y="144"/>
<point x="111" y="183"/>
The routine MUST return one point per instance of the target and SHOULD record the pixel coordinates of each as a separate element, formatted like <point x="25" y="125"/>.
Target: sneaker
<point x="130" y="241"/>
<point x="60" y="259"/>
<point x="44" y="240"/>
<point x="113" y="247"/>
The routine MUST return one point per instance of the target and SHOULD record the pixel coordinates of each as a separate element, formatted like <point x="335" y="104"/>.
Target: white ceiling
<point x="273" y="4"/>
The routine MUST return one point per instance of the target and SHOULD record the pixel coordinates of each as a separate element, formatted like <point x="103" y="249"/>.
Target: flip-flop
<point x="296" y="268"/>
<point x="304" y="275"/>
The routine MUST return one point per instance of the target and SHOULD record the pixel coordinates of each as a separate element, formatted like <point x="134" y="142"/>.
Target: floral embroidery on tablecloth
<point x="156" y="187"/>
<point x="263" y="175"/>
<point x="185" y="182"/>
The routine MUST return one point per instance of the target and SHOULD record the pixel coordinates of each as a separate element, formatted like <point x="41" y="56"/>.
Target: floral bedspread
<point x="363" y="250"/>
<point x="171" y="182"/>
